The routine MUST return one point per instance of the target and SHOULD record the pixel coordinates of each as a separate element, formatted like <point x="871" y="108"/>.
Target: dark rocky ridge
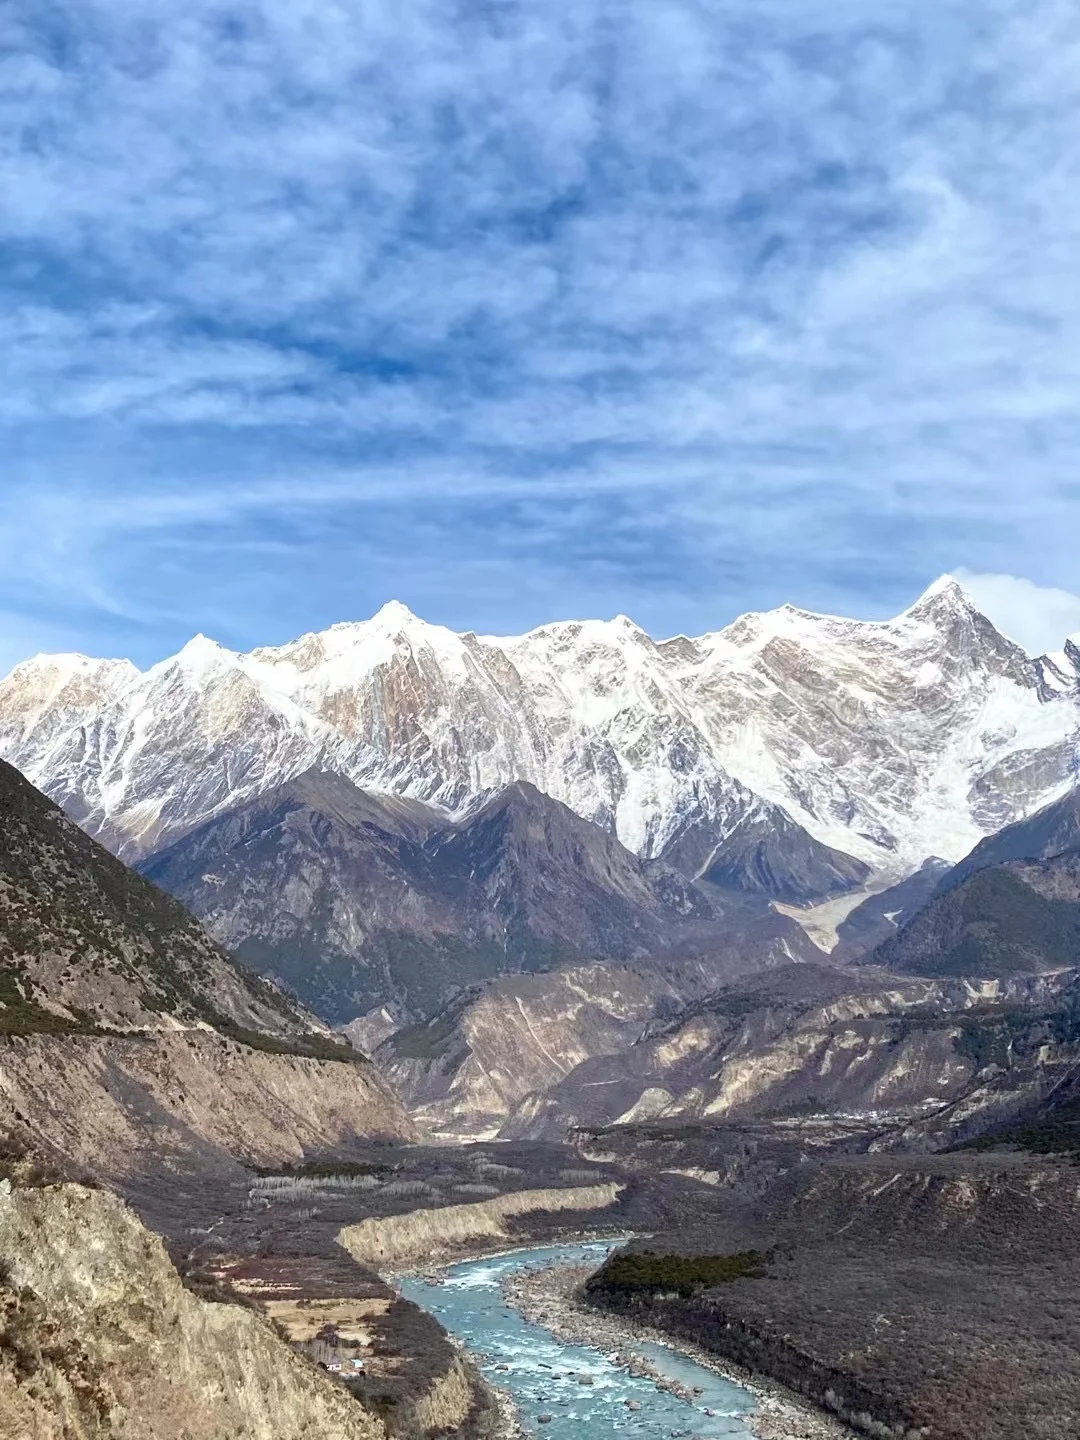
<point x="767" y="853"/>
<point x="1011" y="906"/>
<point x="1053" y="830"/>
<point x="880" y="915"/>
<point x="1020" y="917"/>
<point x="357" y="901"/>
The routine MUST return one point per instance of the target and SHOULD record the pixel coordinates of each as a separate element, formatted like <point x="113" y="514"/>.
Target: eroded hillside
<point x="98" y="1337"/>
<point x="128" y="1039"/>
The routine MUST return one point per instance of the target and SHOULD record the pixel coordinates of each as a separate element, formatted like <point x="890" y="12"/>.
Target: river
<point x="543" y="1374"/>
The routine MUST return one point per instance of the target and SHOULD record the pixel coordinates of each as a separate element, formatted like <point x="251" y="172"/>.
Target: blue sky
<point x="517" y="311"/>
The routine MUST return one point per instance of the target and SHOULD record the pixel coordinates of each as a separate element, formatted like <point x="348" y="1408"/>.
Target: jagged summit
<point x="357" y="900"/>
<point x="946" y="602"/>
<point x="946" y="587"/>
<point x="885" y="741"/>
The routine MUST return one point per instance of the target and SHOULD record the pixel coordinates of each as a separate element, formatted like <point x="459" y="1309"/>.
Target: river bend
<point x="544" y="1374"/>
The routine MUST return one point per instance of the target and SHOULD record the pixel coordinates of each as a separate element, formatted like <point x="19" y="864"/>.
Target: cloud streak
<point x="516" y="312"/>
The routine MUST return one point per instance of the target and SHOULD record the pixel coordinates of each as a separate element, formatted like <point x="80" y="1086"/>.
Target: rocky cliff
<point x="538" y="1057"/>
<point x="466" y="1071"/>
<point x="122" y="1106"/>
<point x="98" y="1337"/>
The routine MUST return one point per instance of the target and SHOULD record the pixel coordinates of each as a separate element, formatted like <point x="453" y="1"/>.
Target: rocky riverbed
<point x="550" y="1296"/>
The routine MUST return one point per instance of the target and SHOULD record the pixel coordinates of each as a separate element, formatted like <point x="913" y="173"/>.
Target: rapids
<point x="544" y="1375"/>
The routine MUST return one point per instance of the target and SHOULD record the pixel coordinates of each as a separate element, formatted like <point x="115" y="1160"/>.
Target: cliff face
<point x="116" y="1106"/>
<point x="468" y="1070"/>
<point x="815" y="1041"/>
<point x="98" y="1337"/>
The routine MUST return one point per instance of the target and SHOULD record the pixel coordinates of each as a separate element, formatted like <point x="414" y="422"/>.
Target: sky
<point x="518" y="311"/>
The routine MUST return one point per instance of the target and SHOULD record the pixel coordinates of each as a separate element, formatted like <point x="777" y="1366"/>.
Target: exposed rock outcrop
<point x="394" y="1239"/>
<point x="809" y="1040"/>
<point x="98" y="1337"/>
<point x="466" y="1071"/>
<point x="116" y="1106"/>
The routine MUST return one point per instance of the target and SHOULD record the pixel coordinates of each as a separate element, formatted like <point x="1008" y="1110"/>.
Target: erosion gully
<point x="569" y="1392"/>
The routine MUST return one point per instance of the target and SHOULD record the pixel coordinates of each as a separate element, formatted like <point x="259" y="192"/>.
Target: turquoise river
<point x="545" y="1375"/>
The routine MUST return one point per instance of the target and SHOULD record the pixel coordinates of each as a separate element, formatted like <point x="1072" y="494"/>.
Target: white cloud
<point x="801" y="278"/>
<point x="1038" y="617"/>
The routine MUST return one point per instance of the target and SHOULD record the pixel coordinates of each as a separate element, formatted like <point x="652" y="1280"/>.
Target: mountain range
<point x="356" y="901"/>
<point x="567" y="895"/>
<point x="963" y="997"/>
<point x="868" y="746"/>
<point x="385" y="814"/>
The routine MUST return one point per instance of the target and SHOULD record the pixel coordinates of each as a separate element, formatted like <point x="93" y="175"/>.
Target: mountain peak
<point x="794" y="708"/>
<point x="201" y="654"/>
<point x="945" y="595"/>
<point x="70" y="663"/>
<point x="394" y="614"/>
<point x="201" y="644"/>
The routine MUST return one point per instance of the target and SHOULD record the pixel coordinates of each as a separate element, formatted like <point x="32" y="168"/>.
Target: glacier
<point x="890" y="741"/>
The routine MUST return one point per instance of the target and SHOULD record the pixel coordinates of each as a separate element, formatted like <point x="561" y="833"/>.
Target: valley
<point x="755" y="957"/>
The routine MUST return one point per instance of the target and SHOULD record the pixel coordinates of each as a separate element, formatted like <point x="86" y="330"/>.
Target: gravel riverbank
<point x="549" y="1296"/>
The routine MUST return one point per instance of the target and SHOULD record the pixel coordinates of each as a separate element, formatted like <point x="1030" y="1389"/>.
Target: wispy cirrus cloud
<point x="515" y="312"/>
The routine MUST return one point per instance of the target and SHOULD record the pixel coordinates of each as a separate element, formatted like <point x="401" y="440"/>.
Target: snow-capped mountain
<point x="888" y="741"/>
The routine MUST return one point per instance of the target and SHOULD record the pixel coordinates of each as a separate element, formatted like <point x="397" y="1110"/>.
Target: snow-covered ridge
<point x="891" y="740"/>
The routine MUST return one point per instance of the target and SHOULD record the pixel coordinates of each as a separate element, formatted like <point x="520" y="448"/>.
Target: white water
<point x="543" y="1372"/>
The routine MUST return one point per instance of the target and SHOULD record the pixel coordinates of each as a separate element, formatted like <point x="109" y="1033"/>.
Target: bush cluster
<point x="645" y="1271"/>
